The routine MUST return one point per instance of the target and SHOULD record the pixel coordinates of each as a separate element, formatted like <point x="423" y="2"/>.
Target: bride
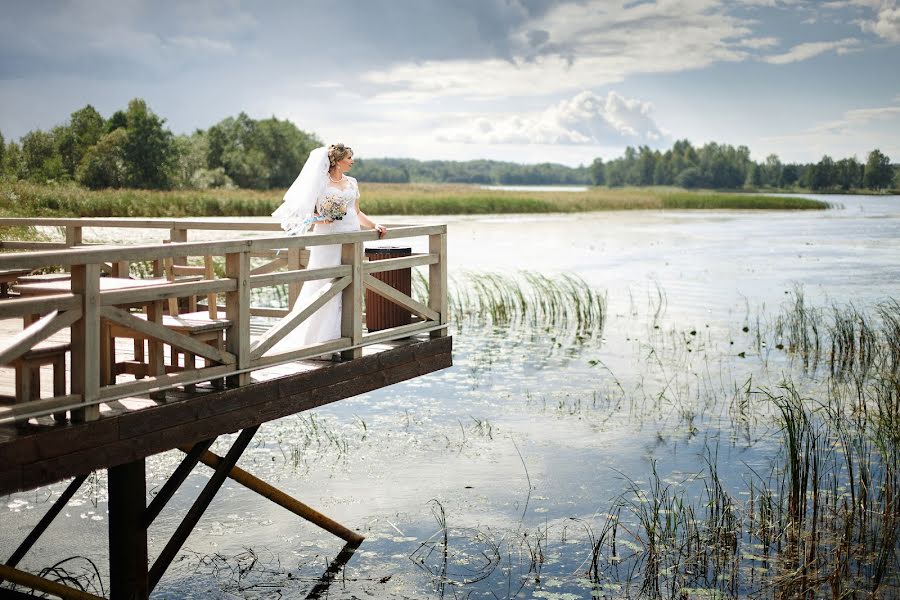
<point x="325" y="196"/>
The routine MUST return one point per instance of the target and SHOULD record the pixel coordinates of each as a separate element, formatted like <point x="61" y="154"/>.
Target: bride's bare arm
<point x="369" y="223"/>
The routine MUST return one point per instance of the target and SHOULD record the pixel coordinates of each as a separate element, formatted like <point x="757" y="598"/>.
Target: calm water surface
<point x="523" y="436"/>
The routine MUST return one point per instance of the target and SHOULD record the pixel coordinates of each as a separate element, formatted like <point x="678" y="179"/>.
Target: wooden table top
<point x="12" y="274"/>
<point x="107" y="284"/>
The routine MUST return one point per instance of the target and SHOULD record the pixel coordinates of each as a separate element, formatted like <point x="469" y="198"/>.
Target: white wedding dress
<point x="325" y="323"/>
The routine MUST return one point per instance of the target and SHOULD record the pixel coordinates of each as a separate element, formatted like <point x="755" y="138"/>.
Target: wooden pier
<point x="99" y="370"/>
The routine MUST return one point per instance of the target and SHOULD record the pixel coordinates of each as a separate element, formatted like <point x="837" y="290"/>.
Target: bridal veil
<point x="295" y="213"/>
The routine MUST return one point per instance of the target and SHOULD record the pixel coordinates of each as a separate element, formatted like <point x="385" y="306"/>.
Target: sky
<point x="518" y="80"/>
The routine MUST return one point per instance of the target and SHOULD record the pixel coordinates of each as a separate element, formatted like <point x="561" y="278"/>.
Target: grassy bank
<point x="26" y="199"/>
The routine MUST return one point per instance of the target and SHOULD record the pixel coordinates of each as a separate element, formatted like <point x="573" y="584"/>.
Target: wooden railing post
<point x="73" y="235"/>
<point x="351" y="299"/>
<point x="237" y="310"/>
<point x="177" y="234"/>
<point x="73" y="238"/>
<point x="156" y="366"/>
<point x="86" y="341"/>
<point x="437" y="281"/>
<point x="293" y="264"/>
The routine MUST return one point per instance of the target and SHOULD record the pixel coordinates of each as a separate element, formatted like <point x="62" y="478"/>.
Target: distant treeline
<point x="485" y="172"/>
<point x="720" y="166"/>
<point x="712" y="166"/>
<point x="134" y="149"/>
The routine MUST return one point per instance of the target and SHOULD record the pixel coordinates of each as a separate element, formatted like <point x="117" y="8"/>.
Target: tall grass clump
<point x="561" y="304"/>
<point x="849" y="342"/>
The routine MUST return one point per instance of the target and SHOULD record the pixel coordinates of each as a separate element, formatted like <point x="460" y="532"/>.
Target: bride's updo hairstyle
<point x="337" y="153"/>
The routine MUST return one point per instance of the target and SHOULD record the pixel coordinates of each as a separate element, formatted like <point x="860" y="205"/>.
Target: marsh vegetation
<point x="25" y="199"/>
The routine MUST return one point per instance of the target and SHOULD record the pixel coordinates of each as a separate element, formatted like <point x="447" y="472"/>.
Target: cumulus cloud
<point x="811" y="49"/>
<point x="585" y="118"/>
<point x="580" y="44"/>
<point x="886" y="23"/>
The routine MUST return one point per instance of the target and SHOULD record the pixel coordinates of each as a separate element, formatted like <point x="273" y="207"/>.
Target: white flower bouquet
<point x="332" y="208"/>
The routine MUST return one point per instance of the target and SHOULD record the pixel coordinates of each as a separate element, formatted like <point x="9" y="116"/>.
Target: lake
<point x="533" y="467"/>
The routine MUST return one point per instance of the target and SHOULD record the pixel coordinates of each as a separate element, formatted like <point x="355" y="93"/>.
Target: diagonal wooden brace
<point x="280" y="498"/>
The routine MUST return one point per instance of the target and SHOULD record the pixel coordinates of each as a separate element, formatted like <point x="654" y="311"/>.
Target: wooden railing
<point x="86" y="310"/>
<point x="178" y="231"/>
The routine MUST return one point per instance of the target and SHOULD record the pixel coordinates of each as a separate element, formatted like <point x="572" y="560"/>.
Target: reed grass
<point x="69" y="200"/>
<point x="850" y="342"/>
<point x="557" y="305"/>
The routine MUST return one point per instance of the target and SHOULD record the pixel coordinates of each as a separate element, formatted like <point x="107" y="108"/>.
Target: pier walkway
<point x="100" y="370"/>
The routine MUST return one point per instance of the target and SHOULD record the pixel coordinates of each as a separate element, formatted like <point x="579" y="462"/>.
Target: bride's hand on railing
<point x="380" y="229"/>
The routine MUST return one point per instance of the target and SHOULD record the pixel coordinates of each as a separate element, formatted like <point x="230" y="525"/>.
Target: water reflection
<point x="652" y="458"/>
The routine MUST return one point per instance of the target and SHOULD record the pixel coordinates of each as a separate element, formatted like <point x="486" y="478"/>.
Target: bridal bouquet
<point x="332" y="208"/>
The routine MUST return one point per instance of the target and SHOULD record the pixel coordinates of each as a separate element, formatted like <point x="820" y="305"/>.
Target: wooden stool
<point x="28" y="373"/>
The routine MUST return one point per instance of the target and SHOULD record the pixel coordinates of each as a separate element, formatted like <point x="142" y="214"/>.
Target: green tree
<point x="823" y="174"/>
<point x="191" y="152"/>
<point x="12" y="159"/>
<point x="773" y="171"/>
<point x="790" y="174"/>
<point x="2" y="154"/>
<point x="103" y="166"/>
<point x="85" y="129"/>
<point x="664" y="173"/>
<point x="878" y="171"/>
<point x="259" y="154"/>
<point x="755" y="176"/>
<point x="598" y="172"/>
<point x="40" y="161"/>
<point x="848" y="174"/>
<point x="691" y="178"/>
<point x="117" y="120"/>
<point x="149" y="148"/>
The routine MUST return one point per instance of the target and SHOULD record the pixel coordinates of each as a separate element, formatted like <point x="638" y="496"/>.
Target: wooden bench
<point x="28" y="372"/>
<point x="8" y="277"/>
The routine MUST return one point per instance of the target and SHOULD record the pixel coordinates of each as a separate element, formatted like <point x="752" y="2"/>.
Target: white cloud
<point x="855" y="133"/>
<point x="758" y="43"/>
<point x="584" y="119"/>
<point x="853" y="120"/>
<point x="812" y="49"/>
<point x="577" y="45"/>
<point x="886" y="23"/>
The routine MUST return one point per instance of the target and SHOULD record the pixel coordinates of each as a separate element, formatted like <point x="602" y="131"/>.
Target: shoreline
<point x="25" y="199"/>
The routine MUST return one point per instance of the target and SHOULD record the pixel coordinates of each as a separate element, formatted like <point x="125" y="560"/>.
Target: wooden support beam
<point x="127" y="533"/>
<point x="200" y="505"/>
<point x="272" y="493"/>
<point x="44" y="585"/>
<point x="175" y="480"/>
<point x="45" y="521"/>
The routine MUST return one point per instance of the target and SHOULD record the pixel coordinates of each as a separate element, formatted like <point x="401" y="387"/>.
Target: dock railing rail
<point x="86" y="309"/>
